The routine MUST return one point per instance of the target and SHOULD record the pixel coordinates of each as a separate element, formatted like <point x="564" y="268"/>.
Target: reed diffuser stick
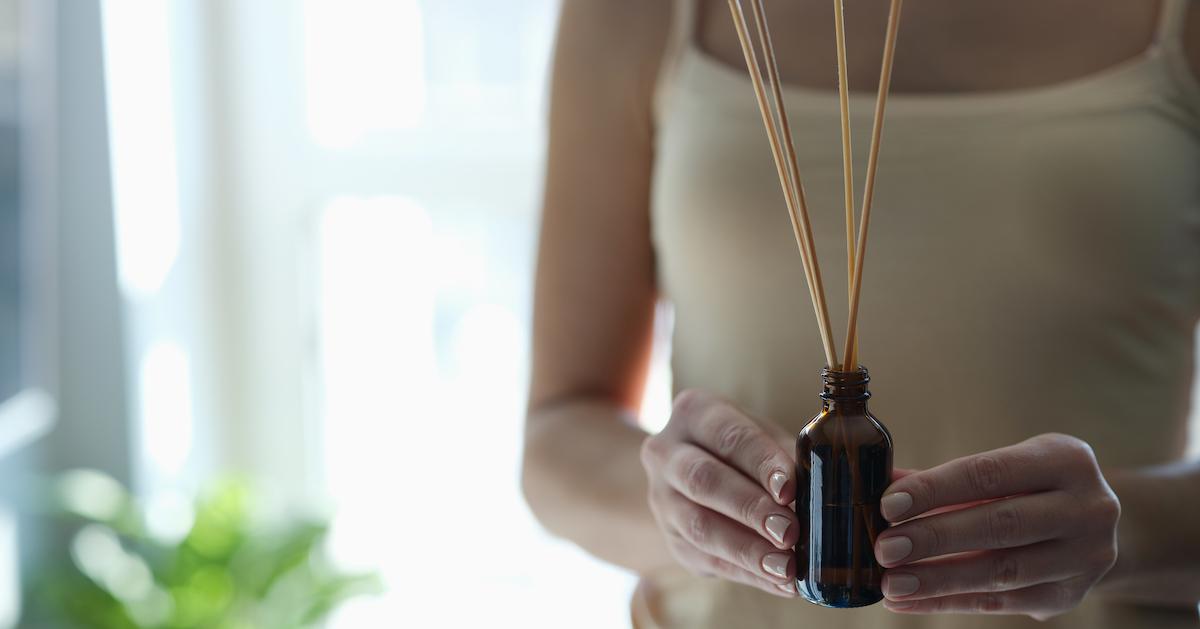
<point x="847" y="150"/>
<point x="885" y="81"/>
<point x="799" y="219"/>
<point x="798" y="210"/>
<point x="782" y="128"/>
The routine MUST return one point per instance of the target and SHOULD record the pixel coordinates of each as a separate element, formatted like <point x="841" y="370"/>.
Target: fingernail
<point x="894" y="506"/>
<point x="777" y="526"/>
<point x="776" y="564"/>
<point x="896" y="585"/>
<point x="787" y="587"/>
<point x="894" y="549"/>
<point x="777" y="481"/>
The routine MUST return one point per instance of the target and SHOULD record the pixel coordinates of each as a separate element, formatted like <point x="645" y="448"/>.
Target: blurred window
<point x="423" y="293"/>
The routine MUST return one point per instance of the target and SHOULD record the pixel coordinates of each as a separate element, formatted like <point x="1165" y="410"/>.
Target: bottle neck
<point x="846" y="391"/>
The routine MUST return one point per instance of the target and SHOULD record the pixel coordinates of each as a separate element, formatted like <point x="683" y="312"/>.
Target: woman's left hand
<point x="1027" y="529"/>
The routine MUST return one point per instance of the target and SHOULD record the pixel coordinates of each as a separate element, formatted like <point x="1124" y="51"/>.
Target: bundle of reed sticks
<point x="779" y="133"/>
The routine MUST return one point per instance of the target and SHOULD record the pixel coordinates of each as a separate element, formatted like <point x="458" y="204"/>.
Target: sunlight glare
<point x="141" y="120"/>
<point x="165" y="392"/>
<point x="364" y="68"/>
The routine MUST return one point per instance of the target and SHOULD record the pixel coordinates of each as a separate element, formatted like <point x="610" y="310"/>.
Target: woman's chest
<point x="945" y="45"/>
<point x="998" y="242"/>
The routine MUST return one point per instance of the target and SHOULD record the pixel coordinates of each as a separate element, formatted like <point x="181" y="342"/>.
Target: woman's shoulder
<point x="621" y="17"/>
<point x="615" y="39"/>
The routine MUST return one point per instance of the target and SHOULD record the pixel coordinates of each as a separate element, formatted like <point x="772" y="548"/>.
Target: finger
<point x="716" y="535"/>
<point x="1040" y="601"/>
<point x="733" y="437"/>
<point x="707" y="565"/>
<point x="1041" y="463"/>
<point x="782" y="590"/>
<point x="705" y="480"/>
<point x="899" y="472"/>
<point x="986" y="571"/>
<point x="999" y="524"/>
<point x="784" y="437"/>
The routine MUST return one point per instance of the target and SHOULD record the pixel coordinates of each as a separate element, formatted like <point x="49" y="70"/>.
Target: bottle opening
<point x="858" y="376"/>
<point x="845" y="386"/>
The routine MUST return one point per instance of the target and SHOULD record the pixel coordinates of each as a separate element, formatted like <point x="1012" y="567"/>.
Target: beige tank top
<point x="1035" y="254"/>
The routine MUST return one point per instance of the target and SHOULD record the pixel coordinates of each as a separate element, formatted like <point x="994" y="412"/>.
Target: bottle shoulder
<point x="831" y="427"/>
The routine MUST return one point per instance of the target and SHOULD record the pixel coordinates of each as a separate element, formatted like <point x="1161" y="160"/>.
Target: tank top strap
<point x="1170" y="45"/>
<point x="1171" y="23"/>
<point x="679" y="38"/>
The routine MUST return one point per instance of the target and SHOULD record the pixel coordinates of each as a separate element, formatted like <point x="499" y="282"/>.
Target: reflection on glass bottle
<point x="845" y="464"/>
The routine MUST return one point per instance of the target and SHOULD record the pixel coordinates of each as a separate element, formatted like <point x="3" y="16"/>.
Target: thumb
<point x="900" y="472"/>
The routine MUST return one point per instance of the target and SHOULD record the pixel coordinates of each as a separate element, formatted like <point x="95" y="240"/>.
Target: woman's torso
<point x="1034" y="256"/>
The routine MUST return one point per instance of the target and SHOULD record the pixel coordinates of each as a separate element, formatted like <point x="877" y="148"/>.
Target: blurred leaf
<point x="224" y="574"/>
<point x="65" y="599"/>
<point x="93" y="496"/>
<point x="221" y="521"/>
<point x="337" y="591"/>
<point x="204" y="599"/>
<point x="277" y="556"/>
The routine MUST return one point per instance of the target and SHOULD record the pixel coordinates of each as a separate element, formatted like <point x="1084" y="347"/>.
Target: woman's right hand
<point x="720" y="486"/>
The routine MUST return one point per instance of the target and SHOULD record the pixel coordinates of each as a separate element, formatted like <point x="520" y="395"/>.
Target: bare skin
<point x="945" y="45"/>
<point x="710" y="492"/>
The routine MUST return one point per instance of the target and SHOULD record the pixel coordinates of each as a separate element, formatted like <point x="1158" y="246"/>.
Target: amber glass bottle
<point x="844" y="457"/>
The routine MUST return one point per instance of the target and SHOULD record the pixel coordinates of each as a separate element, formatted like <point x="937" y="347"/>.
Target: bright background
<point x="296" y="239"/>
<point x="322" y="223"/>
<point x="325" y="223"/>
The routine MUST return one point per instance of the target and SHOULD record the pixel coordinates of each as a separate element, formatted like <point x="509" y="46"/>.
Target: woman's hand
<point x="1027" y="529"/>
<point x="719" y="488"/>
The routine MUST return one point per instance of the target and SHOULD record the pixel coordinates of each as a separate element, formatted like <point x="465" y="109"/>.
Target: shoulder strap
<point x="1171" y="33"/>
<point x="1171" y="23"/>
<point x="679" y="37"/>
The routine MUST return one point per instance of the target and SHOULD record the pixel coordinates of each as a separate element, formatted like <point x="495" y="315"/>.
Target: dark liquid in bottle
<point x="845" y="463"/>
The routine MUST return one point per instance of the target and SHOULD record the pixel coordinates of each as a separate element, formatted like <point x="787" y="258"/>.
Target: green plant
<point x="223" y="573"/>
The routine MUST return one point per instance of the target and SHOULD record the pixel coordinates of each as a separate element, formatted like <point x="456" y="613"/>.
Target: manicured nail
<point x="897" y="585"/>
<point x="776" y="564"/>
<point x="894" y="549"/>
<point x="777" y="481"/>
<point x="777" y="526"/>
<point x="787" y="587"/>
<point x="899" y="604"/>
<point x="894" y="506"/>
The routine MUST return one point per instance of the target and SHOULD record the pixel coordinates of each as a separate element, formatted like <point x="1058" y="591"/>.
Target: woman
<point x="1029" y="307"/>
